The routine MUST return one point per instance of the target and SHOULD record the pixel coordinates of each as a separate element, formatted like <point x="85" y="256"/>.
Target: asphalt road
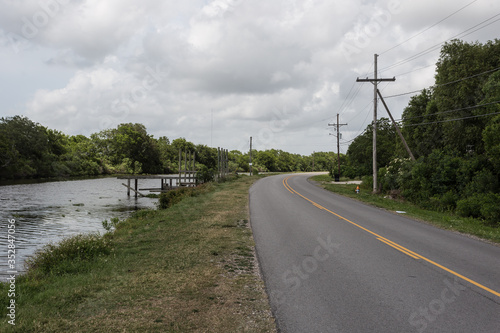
<point x="332" y="264"/>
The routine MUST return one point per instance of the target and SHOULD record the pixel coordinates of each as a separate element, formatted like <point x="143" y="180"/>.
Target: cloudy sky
<point x="220" y="71"/>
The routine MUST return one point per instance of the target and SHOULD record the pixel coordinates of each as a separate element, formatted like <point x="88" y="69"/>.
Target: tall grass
<point x="69" y="255"/>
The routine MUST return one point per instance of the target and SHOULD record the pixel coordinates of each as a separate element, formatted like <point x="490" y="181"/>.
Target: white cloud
<point x="252" y="64"/>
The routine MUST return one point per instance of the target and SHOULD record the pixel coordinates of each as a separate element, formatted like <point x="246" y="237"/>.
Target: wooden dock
<point x="167" y="182"/>
<point x="185" y="177"/>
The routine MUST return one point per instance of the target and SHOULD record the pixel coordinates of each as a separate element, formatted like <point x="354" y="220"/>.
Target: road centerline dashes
<point x="386" y="241"/>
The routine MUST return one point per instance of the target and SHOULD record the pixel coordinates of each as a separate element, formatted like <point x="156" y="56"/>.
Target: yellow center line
<point x="399" y="248"/>
<point x="389" y="242"/>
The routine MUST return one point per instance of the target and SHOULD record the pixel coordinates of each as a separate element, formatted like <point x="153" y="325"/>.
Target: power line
<point x="450" y="111"/>
<point x="448" y="120"/>
<point x="344" y="105"/>
<point x="348" y="94"/>
<point x="352" y="99"/>
<point x="445" y="84"/>
<point x="406" y="93"/>
<point x="418" y="69"/>
<point x="432" y="26"/>
<point x="466" y="78"/>
<point x="440" y="121"/>
<point x="435" y="47"/>
<point x="357" y="136"/>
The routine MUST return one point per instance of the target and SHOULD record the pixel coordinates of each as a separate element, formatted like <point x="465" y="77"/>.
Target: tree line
<point x="453" y="129"/>
<point x="30" y="150"/>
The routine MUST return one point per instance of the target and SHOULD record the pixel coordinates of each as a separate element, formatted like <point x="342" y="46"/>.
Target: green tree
<point x="131" y="146"/>
<point x="206" y="156"/>
<point x="420" y="131"/>
<point x="25" y="152"/>
<point x="266" y="159"/>
<point x="168" y="157"/>
<point x="491" y="138"/>
<point x="183" y="145"/>
<point x="81" y="157"/>
<point x="360" y="152"/>
<point x="459" y="87"/>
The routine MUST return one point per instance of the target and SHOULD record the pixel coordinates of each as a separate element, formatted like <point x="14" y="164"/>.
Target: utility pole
<point x="375" y="82"/>
<point x="313" y="161"/>
<point x="250" y="164"/>
<point x="338" y="124"/>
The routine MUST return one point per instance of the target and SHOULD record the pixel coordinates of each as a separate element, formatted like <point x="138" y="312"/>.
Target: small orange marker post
<point x="357" y="189"/>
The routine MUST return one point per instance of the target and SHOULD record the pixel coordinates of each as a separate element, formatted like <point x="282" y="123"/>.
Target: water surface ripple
<point x="47" y="212"/>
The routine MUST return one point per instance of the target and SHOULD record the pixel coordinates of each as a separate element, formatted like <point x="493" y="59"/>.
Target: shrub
<point x="483" y="181"/>
<point x="485" y="206"/>
<point x="205" y="174"/>
<point x="444" y="202"/>
<point x="108" y="226"/>
<point x="170" y="198"/>
<point x="470" y="207"/>
<point x="490" y="209"/>
<point x="367" y="182"/>
<point x="167" y="199"/>
<point x="69" y="255"/>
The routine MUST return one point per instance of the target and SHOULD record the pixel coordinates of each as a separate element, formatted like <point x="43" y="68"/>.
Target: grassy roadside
<point x="190" y="268"/>
<point x="443" y="220"/>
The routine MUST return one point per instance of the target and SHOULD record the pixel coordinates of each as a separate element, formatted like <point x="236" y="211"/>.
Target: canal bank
<point x="51" y="210"/>
<point x="188" y="268"/>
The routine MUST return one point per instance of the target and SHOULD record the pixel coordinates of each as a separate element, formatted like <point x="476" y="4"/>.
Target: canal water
<point x="47" y="212"/>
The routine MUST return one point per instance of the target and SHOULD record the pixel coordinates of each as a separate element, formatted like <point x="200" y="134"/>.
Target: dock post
<point x="180" y="168"/>
<point x="128" y="188"/>
<point x="136" y="181"/>
<point x="185" y="166"/>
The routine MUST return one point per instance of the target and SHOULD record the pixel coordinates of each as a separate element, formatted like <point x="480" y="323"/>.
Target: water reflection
<point x="47" y="212"/>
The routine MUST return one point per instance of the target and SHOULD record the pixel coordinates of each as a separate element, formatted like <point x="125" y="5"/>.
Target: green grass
<point x="189" y="268"/>
<point x="444" y="220"/>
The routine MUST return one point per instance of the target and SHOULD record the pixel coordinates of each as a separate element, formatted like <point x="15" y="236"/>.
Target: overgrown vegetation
<point x="170" y="198"/>
<point x="189" y="268"/>
<point x="30" y="150"/>
<point x="453" y="129"/>
<point x="71" y="255"/>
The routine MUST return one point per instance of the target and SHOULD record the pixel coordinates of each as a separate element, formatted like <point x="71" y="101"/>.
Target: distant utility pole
<point x="375" y="82"/>
<point x="338" y="124"/>
<point x="250" y="154"/>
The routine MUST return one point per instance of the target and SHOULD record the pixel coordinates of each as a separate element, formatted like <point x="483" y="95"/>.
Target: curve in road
<point x="329" y="266"/>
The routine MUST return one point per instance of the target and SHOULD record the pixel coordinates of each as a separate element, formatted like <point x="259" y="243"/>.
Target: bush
<point x="444" y="202"/>
<point x="108" y="226"/>
<point x="167" y="199"/>
<point x="68" y="255"/>
<point x="170" y="198"/>
<point x="485" y="206"/>
<point x="367" y="182"/>
<point x="490" y="209"/>
<point x="483" y="181"/>
<point x="205" y="174"/>
<point x="350" y="172"/>
<point x="470" y="207"/>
